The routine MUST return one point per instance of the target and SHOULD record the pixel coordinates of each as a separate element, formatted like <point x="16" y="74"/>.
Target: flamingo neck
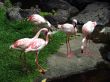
<point x="74" y="24"/>
<point x="37" y="35"/>
<point x="47" y="38"/>
<point x="49" y="25"/>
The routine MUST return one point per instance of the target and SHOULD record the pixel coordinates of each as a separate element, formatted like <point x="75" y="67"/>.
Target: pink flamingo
<point x="38" y="20"/>
<point x="87" y="29"/>
<point x="25" y="43"/>
<point x="42" y="22"/>
<point x="69" y="29"/>
<point x="37" y="45"/>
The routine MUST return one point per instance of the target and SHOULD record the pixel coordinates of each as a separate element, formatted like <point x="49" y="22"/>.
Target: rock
<point x="99" y="36"/>
<point x="27" y="12"/>
<point x="51" y="19"/>
<point x="13" y="13"/>
<point x="25" y="4"/>
<point x="108" y="56"/>
<point x="58" y="4"/>
<point x="61" y="66"/>
<point x="63" y="11"/>
<point x="80" y="4"/>
<point x="1" y="4"/>
<point x="62" y="15"/>
<point x="63" y="69"/>
<point x="105" y="51"/>
<point x="97" y="11"/>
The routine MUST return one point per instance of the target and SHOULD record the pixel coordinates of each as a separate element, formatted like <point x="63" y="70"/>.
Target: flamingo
<point x="24" y="43"/>
<point x="87" y="29"/>
<point x="42" y="22"/>
<point x="69" y="29"/>
<point x="37" y="45"/>
<point x="38" y="20"/>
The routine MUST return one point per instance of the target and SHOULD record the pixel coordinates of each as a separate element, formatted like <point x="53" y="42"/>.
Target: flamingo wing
<point x="36" y="45"/>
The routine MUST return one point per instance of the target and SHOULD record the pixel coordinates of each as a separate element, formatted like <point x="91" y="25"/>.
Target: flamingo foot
<point x="70" y="55"/>
<point x="44" y="80"/>
<point x="42" y="71"/>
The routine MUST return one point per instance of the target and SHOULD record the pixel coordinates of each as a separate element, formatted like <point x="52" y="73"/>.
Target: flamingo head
<point x="75" y="21"/>
<point x="95" y="23"/>
<point x="12" y="46"/>
<point x="32" y="18"/>
<point x="29" y="18"/>
<point x="59" y="26"/>
<point x="45" y="30"/>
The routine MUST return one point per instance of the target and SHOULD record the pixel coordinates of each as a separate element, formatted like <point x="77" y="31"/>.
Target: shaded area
<point x="98" y="75"/>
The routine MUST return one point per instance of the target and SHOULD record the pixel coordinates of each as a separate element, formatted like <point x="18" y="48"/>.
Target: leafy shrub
<point x="7" y="3"/>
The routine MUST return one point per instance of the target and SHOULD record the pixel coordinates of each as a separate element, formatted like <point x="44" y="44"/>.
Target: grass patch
<point x="10" y="67"/>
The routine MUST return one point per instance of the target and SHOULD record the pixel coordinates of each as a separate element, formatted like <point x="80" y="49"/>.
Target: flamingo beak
<point x="10" y="47"/>
<point x="29" y="18"/>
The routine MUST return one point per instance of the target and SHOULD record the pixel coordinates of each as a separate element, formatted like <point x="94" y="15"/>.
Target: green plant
<point x="7" y="3"/>
<point x="10" y="67"/>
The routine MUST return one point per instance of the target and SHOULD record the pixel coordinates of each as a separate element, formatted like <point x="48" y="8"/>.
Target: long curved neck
<point x="74" y="24"/>
<point x="37" y="34"/>
<point x="47" y="38"/>
<point x="48" y="23"/>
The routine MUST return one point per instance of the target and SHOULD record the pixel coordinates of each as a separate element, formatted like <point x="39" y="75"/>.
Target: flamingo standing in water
<point x="69" y="29"/>
<point x="25" y="43"/>
<point x="87" y="29"/>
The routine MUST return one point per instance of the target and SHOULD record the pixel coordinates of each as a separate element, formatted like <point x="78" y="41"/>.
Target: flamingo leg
<point x="67" y="45"/>
<point x="83" y="45"/>
<point x="86" y="50"/>
<point x="41" y="70"/>
<point x="69" y="48"/>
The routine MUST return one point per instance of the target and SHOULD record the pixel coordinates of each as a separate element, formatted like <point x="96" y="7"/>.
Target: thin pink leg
<point x="39" y="67"/>
<point x="86" y="50"/>
<point x="70" y="54"/>
<point x="67" y="45"/>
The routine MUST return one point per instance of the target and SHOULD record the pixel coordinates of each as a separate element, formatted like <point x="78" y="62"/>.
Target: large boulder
<point x="63" y="10"/>
<point x="97" y="11"/>
<point x="58" y="4"/>
<point x="13" y="13"/>
<point x="80" y="4"/>
<point x="1" y="4"/>
<point x="51" y="19"/>
<point x="26" y="4"/>
<point x="27" y="12"/>
<point x="54" y="5"/>
<point x="101" y="35"/>
<point x="63" y="15"/>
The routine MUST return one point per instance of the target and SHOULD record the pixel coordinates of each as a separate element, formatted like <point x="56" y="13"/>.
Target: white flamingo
<point x="69" y="29"/>
<point x="87" y="29"/>
<point x="36" y="43"/>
